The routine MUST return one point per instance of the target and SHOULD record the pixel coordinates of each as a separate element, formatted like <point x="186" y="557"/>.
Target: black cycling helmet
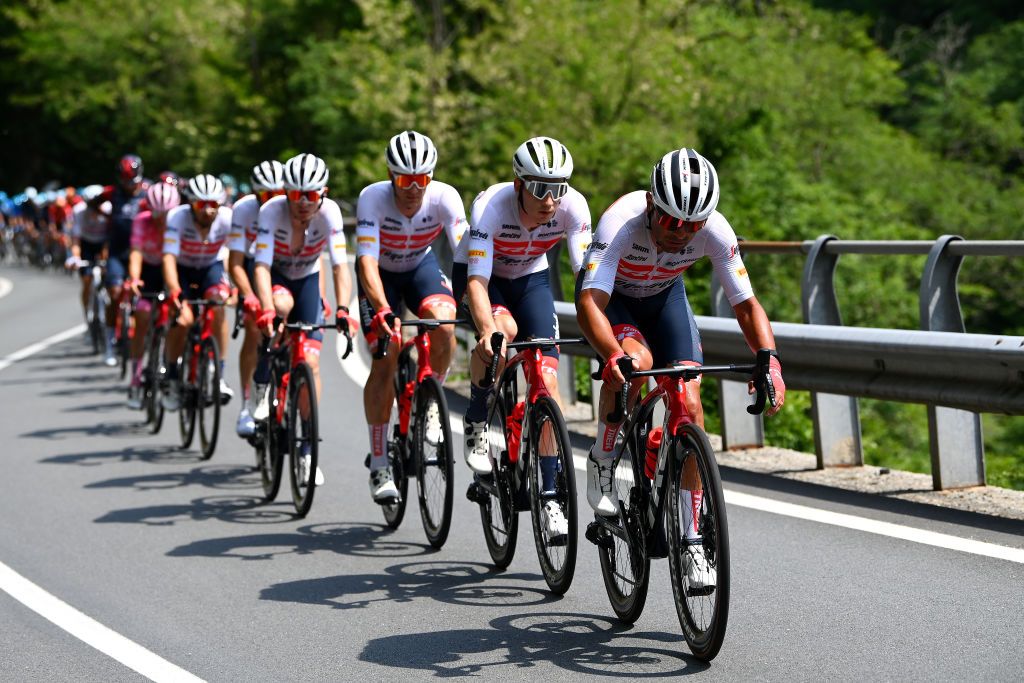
<point x="129" y="168"/>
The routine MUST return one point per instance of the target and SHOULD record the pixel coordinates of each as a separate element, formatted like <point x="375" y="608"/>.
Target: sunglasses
<point x="266" y="195"/>
<point x="404" y="181"/>
<point x="311" y="196"/>
<point x="203" y="204"/>
<point x="541" y="189"/>
<point x="673" y="224"/>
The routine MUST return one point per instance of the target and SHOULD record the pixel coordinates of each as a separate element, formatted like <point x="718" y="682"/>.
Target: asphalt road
<point x="182" y="558"/>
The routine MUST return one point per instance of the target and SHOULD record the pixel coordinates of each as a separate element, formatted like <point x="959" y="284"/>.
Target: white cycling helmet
<point x="91" y="192"/>
<point x="685" y="185"/>
<point x="205" y="187"/>
<point x="542" y="157"/>
<point x="411" y="153"/>
<point x="305" y="172"/>
<point x="162" y="197"/>
<point x="267" y="175"/>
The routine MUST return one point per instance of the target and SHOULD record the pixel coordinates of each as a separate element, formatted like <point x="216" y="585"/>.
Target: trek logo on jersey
<point x="733" y="249"/>
<point x="597" y="246"/>
<point x="479" y="234"/>
<point x="365" y="223"/>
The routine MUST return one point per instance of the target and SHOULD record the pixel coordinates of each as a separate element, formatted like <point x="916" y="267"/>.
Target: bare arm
<point x="342" y="285"/>
<point x="368" y="271"/>
<point x="757" y="329"/>
<point x="236" y="267"/>
<point x="594" y="323"/>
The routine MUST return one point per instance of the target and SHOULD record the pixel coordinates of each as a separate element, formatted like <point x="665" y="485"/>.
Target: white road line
<point x="40" y="345"/>
<point x="5" y="287"/>
<point x="89" y="630"/>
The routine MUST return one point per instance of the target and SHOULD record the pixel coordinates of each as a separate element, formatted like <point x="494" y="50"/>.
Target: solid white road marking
<point x="5" y="287"/>
<point x="89" y="630"/>
<point x="40" y="345"/>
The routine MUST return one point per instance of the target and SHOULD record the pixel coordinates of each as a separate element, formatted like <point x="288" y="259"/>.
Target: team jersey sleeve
<point x="367" y="226"/>
<point x="236" y="236"/>
<point x="577" y="233"/>
<point x="336" y="236"/>
<point x="455" y="220"/>
<point x="724" y="252"/>
<point x="265" y="236"/>
<point x="481" y="241"/>
<point x="602" y="260"/>
<point x="172" y="238"/>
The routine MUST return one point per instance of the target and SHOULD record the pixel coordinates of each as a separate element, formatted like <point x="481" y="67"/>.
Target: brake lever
<point x="496" y="341"/>
<point x="625" y="365"/>
<point x="765" y="390"/>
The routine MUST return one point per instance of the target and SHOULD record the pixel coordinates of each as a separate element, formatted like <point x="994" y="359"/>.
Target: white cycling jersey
<point x="623" y="256"/>
<point x="399" y="243"/>
<point x="90" y="225"/>
<point x="499" y="243"/>
<point x="243" y="225"/>
<point x="192" y="248"/>
<point x="274" y="239"/>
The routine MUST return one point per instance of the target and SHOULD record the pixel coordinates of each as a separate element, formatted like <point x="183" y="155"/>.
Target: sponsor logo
<point x="477" y="253"/>
<point x="640" y="249"/>
<point x="733" y="249"/>
<point x="598" y="245"/>
<point x="509" y="226"/>
<point x="591" y="266"/>
<point x="508" y="234"/>
<point x="479" y="234"/>
<point x="262" y="245"/>
<point x="427" y="219"/>
<point x="369" y="240"/>
<point x="635" y="257"/>
<point x="742" y="272"/>
<point x="170" y="240"/>
<point x="365" y="223"/>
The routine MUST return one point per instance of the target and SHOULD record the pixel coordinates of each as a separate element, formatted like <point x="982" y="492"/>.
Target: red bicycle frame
<point x="296" y="341"/>
<point x="205" y="332"/>
<point x="423" y="370"/>
<point x="532" y="361"/>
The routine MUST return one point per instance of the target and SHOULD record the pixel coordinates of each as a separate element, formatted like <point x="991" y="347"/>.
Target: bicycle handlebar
<point x="545" y="343"/>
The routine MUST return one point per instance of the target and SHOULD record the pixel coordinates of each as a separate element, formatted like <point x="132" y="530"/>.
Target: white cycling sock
<point x="605" y="446"/>
<point x="690" y="502"/>
<point x="379" y="446"/>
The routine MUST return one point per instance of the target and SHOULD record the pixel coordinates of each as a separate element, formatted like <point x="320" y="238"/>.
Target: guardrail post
<point x="837" y="438"/>
<point x="957" y="447"/>
<point x="739" y="428"/>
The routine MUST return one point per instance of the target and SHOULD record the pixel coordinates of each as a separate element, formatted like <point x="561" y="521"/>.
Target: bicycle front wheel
<point x="432" y="442"/>
<point x="303" y="437"/>
<point x="153" y="379"/>
<point x="267" y="441"/>
<point x="498" y="513"/>
<point x="124" y="341"/>
<point x="187" y="409"/>
<point x="550" y="448"/>
<point x="208" y="397"/>
<point x="699" y="553"/>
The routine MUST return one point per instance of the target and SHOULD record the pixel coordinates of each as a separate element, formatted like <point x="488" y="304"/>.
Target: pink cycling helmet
<point x="162" y="197"/>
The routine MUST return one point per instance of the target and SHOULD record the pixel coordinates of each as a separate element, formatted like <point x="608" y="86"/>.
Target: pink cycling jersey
<point x="274" y="239"/>
<point x="499" y="243"/>
<point x="399" y="243"/>
<point x="147" y="238"/>
<point x="624" y="258"/>
<point x="244" y="215"/>
<point x="192" y="248"/>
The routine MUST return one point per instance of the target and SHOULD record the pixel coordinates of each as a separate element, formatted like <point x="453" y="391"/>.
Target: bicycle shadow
<point x="209" y="476"/>
<point x="95" y="407"/>
<point x="114" y="429"/>
<point x="73" y="379"/>
<point x="459" y="583"/>
<point x="359" y="539"/>
<point x="227" y="508"/>
<point x="582" y="643"/>
<point x="153" y="454"/>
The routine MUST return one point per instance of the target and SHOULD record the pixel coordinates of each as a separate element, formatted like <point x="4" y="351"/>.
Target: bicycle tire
<point x="498" y="513"/>
<point x="557" y="560"/>
<point x="435" y="470"/>
<point x="153" y="379"/>
<point x="208" y="397"/>
<point x="625" y="567"/>
<point x="269" y="456"/>
<point x="704" y="634"/>
<point x="187" y="407"/>
<point x="302" y="431"/>
<point x="398" y="449"/>
<point x="124" y="342"/>
<point x="96" y="318"/>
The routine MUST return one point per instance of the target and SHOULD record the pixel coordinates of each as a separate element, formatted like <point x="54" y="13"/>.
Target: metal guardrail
<point x="956" y="375"/>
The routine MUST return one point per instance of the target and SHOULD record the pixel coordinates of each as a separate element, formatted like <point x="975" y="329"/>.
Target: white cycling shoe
<point x="382" y="486"/>
<point x="304" y="463"/>
<point x="226" y="392"/>
<point x="135" y="397"/>
<point x="476" y="447"/>
<point x="556" y="523"/>
<point x="433" y="420"/>
<point x="699" y="572"/>
<point x="600" y="489"/>
<point x="246" y="425"/>
<point x="260" y="399"/>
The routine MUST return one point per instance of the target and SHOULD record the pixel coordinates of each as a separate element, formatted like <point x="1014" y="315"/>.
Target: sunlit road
<point x="181" y="557"/>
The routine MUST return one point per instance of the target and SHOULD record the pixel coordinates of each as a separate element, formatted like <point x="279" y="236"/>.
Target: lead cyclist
<point x="631" y="301"/>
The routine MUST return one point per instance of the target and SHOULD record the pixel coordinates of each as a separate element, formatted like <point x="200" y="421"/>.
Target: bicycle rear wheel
<point x="267" y="441"/>
<point x="303" y="437"/>
<point x="497" y="505"/>
<point x="153" y="378"/>
<point x="124" y="334"/>
<point x="434" y="462"/>
<point x="208" y="397"/>
<point x="701" y="597"/>
<point x="187" y="409"/>
<point x="550" y="439"/>
<point x="625" y="565"/>
<point x="399" y="447"/>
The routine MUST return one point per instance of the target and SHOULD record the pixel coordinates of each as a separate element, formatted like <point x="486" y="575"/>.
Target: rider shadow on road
<point x="343" y="538"/>
<point x="116" y="429"/>
<point x="458" y="583"/>
<point x="583" y="643"/>
<point x="154" y="454"/>
<point x="227" y="508"/>
<point x="209" y="476"/>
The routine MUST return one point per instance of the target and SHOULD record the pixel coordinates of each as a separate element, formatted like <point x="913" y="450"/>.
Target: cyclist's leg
<point x="152" y="283"/>
<point x="503" y="321"/>
<point x="379" y="391"/>
<point x="429" y="294"/>
<point x="533" y="307"/>
<point x="89" y="252"/>
<point x="114" y="282"/>
<point x="214" y="286"/>
<point x="250" y="343"/>
<point x="308" y="308"/>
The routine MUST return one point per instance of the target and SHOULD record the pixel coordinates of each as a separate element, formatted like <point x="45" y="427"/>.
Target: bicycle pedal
<point x="476" y="494"/>
<point x="385" y="502"/>
<point x="598" y="536"/>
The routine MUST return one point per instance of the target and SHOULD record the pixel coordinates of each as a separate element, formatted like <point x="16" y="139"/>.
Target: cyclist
<point x="89" y="238"/>
<point x="293" y="232"/>
<point x="267" y="182"/>
<point x="193" y="238"/>
<point x="396" y="222"/>
<point x="126" y="200"/>
<point x="501" y="275"/>
<point x="145" y="271"/>
<point x="631" y="301"/>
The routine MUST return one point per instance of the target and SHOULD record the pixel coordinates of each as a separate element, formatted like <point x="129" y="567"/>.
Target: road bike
<point x="421" y="443"/>
<point x="665" y="478"/>
<point x="522" y="434"/>
<point x="292" y="425"/>
<point x="98" y="301"/>
<point x="199" y="370"/>
<point x="154" y="373"/>
<point x="123" y="329"/>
